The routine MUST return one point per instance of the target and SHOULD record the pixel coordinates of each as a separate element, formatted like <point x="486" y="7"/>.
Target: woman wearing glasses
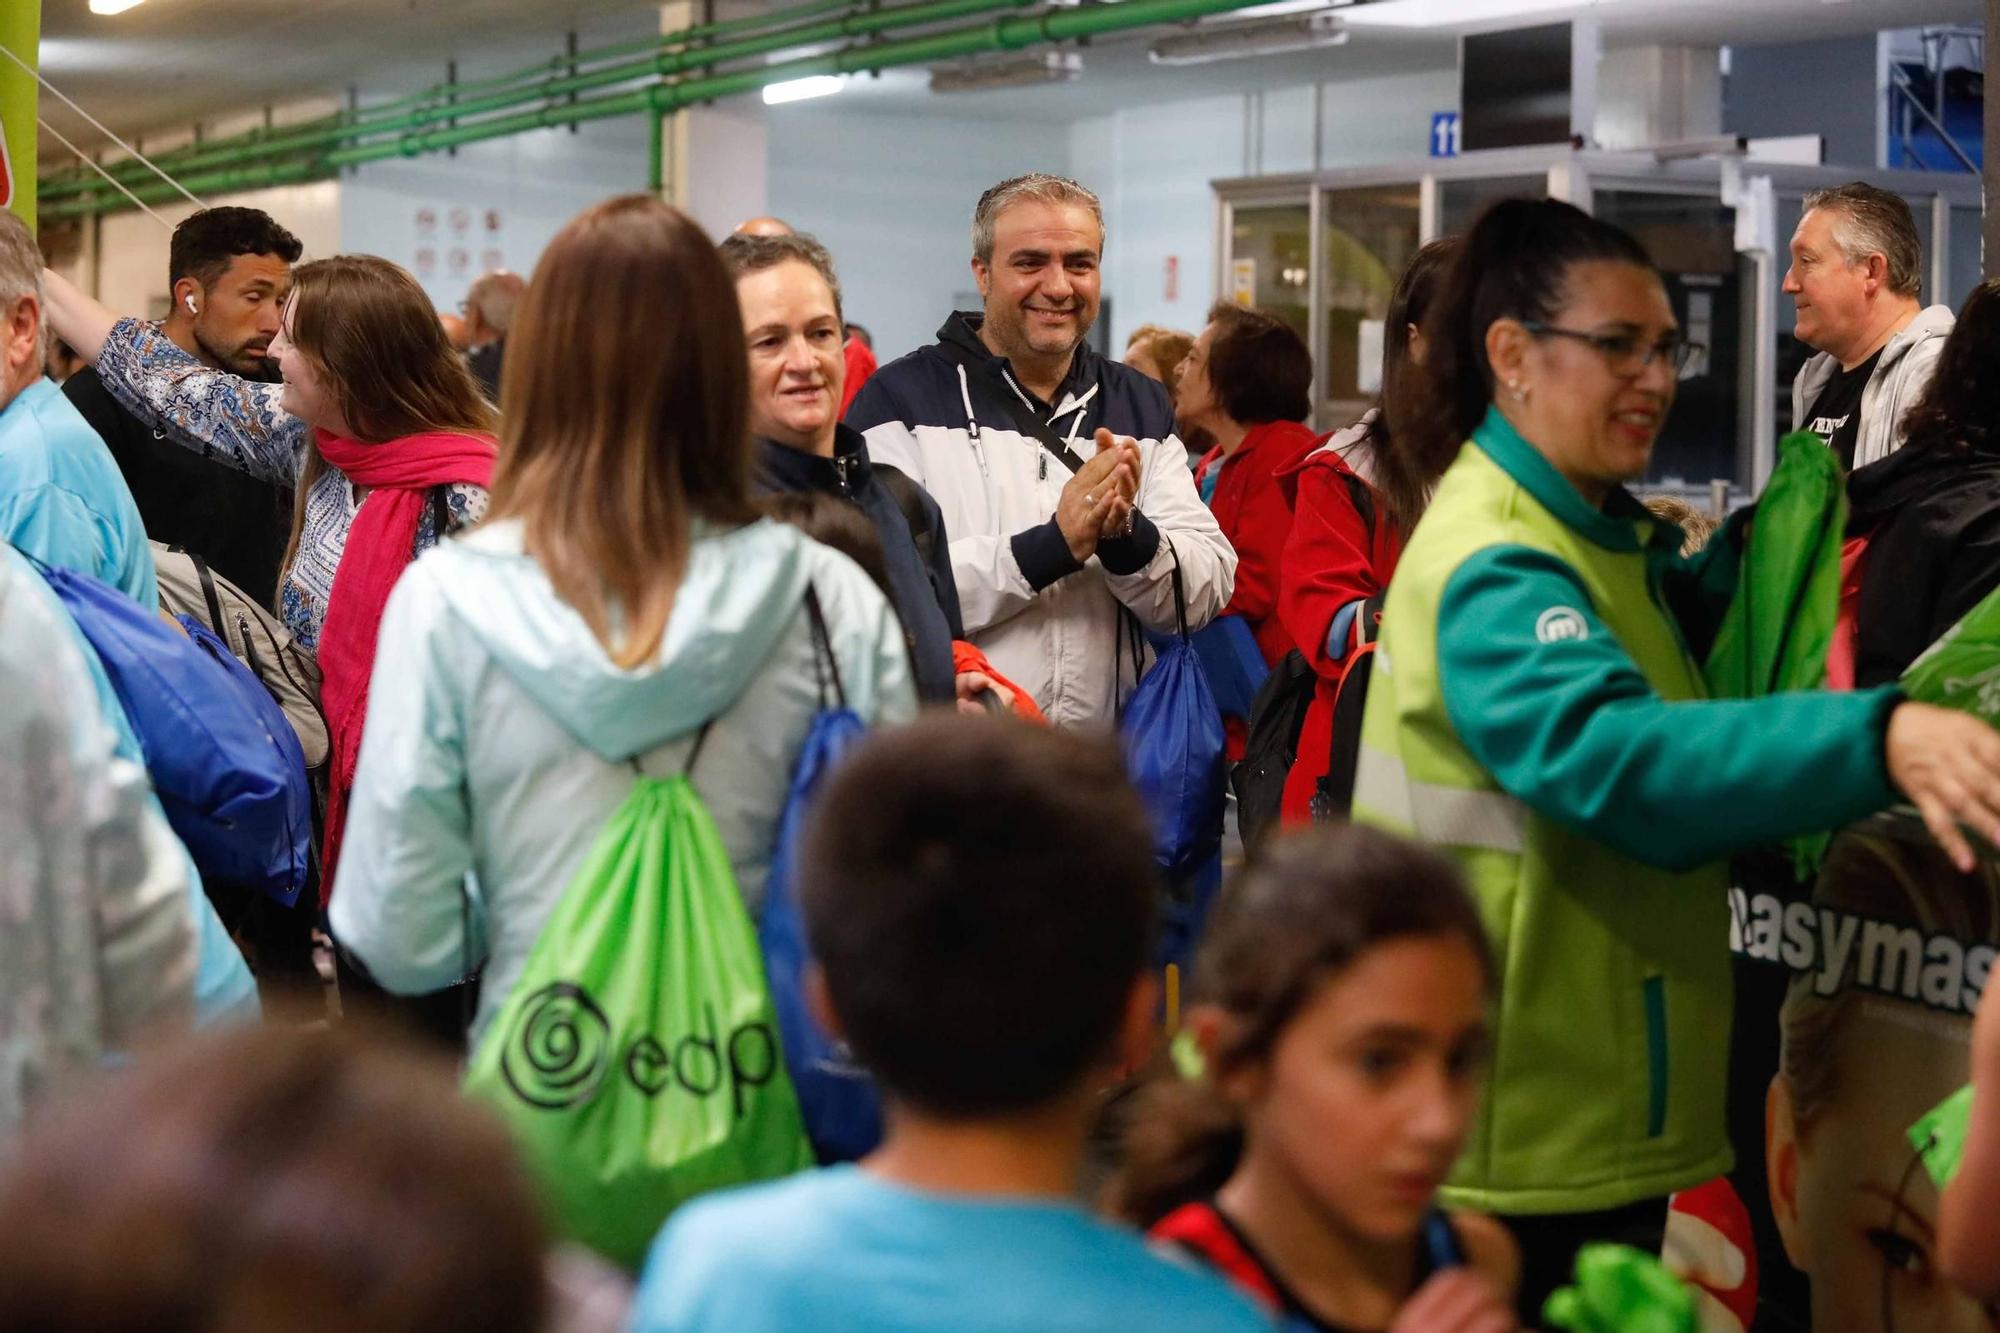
<point x="1538" y="711"/>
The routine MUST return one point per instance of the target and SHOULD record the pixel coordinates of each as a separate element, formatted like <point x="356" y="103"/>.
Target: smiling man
<point x="229" y="270"/>
<point x="1856" y="274"/>
<point x="1063" y="486"/>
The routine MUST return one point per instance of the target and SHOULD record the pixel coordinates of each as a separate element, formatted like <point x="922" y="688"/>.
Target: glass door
<point x="1367" y="238"/>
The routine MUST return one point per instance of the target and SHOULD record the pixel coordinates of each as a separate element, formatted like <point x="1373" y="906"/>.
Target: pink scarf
<point x="398" y="476"/>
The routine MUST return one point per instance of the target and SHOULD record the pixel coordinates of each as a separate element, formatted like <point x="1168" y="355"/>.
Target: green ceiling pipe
<point x="1015" y="32"/>
<point x="346" y="131"/>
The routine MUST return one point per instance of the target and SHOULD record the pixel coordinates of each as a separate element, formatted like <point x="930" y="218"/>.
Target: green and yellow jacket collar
<point x="1622" y="525"/>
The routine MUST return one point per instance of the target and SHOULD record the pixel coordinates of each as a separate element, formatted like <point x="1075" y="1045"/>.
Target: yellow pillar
<point x="20" y="32"/>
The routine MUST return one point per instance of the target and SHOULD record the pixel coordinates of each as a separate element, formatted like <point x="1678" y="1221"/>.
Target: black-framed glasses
<point x="1626" y="353"/>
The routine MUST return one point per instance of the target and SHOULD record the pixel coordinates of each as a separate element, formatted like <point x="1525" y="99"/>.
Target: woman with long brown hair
<point x="377" y="424"/>
<point x="621" y="606"/>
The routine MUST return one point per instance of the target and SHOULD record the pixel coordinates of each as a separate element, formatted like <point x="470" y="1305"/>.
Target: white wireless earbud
<point x="188" y="301"/>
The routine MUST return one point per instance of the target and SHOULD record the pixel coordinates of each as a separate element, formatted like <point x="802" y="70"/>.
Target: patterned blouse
<point x="238" y="422"/>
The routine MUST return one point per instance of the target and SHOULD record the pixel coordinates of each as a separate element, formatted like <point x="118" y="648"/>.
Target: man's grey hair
<point x="1036" y="187"/>
<point x="745" y="253"/>
<point x="496" y="296"/>
<point x="21" y="268"/>
<point x="1868" y="220"/>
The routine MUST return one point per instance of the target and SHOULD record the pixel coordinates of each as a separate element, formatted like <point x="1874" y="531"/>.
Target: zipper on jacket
<point x="841" y="463"/>
<point x="1654" y="990"/>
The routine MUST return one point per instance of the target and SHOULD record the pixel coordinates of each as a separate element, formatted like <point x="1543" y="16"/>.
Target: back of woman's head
<point x="1515" y="263"/>
<point x="370" y="330"/>
<point x="1961" y="408"/>
<point x="1404" y="486"/>
<point x="1304" y="909"/>
<point x="625" y="398"/>
<point x="270" y="1178"/>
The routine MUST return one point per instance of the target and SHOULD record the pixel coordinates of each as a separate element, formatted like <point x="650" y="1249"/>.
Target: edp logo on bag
<point x="561" y="1051"/>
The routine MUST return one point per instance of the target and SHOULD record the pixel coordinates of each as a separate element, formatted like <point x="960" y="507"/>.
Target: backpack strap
<point x="208" y="593"/>
<point x="825" y="665"/>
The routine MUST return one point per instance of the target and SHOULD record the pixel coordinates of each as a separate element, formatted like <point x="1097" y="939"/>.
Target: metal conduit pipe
<point x="1012" y="33"/>
<point x="346" y="132"/>
<point x="320" y="131"/>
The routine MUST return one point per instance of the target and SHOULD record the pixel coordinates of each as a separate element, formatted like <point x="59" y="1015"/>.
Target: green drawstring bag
<point x="1622" y="1290"/>
<point x="1779" y="626"/>
<point x="636" y="1061"/>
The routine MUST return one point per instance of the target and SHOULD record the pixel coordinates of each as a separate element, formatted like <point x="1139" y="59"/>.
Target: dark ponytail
<point x="1405" y="487"/>
<point x="1514" y="264"/>
<point x="1306" y="907"/>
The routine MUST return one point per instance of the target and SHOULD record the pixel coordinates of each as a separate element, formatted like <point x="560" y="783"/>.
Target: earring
<point x="1520" y="393"/>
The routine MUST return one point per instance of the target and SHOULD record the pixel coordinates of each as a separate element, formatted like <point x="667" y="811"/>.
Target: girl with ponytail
<point x="1340" y="1010"/>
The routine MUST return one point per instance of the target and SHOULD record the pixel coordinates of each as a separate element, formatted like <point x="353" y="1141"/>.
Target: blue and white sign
<point x="1444" y="134"/>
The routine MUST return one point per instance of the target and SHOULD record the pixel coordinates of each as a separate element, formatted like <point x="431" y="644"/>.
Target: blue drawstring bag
<point x="1174" y="751"/>
<point x="1233" y="663"/>
<point x="224" y="762"/>
<point x="837" y="1097"/>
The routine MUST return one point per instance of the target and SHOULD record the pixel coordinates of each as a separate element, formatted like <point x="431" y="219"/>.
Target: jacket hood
<point x="1877" y="491"/>
<point x="1931" y="323"/>
<point x="737" y="598"/>
<point x="962" y="330"/>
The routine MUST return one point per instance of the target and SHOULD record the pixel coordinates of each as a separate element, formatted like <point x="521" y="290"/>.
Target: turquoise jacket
<point x="501" y="737"/>
<point x="62" y="498"/>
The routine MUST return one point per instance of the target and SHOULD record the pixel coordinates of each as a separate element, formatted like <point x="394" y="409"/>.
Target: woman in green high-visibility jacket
<point x="1538" y="710"/>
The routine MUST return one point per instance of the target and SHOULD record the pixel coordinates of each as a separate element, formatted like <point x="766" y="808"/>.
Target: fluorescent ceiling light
<point x="112" y="6"/>
<point x="1280" y="8"/>
<point x="1451" y="13"/>
<point x="1259" y="37"/>
<point x="798" y="90"/>
<point x="1019" y="71"/>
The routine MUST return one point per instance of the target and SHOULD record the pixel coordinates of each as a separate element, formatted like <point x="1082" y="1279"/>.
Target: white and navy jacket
<point x="1047" y="623"/>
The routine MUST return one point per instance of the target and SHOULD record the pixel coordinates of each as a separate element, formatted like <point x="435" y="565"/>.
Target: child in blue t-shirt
<point x="979" y="895"/>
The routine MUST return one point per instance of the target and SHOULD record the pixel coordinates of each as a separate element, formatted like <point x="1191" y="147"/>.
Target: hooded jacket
<point x="488" y="773"/>
<point x="1900" y="378"/>
<point x="1932" y="521"/>
<point x="923" y="593"/>
<point x="1046" y="622"/>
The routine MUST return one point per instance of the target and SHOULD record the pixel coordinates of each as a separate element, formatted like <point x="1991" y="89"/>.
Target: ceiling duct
<point x="1014" y="71"/>
<point x="1256" y="37"/>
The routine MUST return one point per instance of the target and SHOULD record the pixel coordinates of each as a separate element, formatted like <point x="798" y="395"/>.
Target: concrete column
<point x="716" y="158"/>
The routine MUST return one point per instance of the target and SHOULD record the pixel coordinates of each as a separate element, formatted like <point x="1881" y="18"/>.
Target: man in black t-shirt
<point x="1835" y="416"/>
<point x="1857" y="269"/>
<point x="230" y="269"/>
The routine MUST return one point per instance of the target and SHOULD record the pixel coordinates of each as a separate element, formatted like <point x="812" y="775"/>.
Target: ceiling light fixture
<point x="798" y="90"/>
<point x="1451" y="13"/>
<point x="1260" y="37"/>
<point x="1017" y="71"/>
<point x="113" y="6"/>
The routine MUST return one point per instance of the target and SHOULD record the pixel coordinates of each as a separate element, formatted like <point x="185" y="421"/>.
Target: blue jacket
<point x="924" y="594"/>
<point x="62" y="498"/>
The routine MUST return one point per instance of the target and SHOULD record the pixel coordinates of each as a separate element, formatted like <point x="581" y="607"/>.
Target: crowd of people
<point x="1450" y="1022"/>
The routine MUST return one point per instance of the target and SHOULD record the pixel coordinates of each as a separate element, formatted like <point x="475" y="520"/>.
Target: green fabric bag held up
<point x="1779" y="626"/>
<point x="637" y="1061"/>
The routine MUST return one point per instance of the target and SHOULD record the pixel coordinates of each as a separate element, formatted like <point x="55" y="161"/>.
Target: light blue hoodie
<point x="500" y="736"/>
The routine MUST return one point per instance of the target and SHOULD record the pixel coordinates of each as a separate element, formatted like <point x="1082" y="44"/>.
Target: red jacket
<point x="1255" y="514"/>
<point x="860" y="365"/>
<point x="1335" y="556"/>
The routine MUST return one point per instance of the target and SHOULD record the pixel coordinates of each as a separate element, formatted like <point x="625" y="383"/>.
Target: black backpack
<point x="1333" y="795"/>
<point x="1278" y="714"/>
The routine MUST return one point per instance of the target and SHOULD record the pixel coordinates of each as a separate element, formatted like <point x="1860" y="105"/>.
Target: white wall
<point x="1153" y="166"/>
<point x="132" y="247"/>
<point x="892" y="197"/>
<point x="436" y="215"/>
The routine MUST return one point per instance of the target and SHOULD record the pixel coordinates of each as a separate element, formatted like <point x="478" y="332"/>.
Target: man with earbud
<point x="229" y="270"/>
